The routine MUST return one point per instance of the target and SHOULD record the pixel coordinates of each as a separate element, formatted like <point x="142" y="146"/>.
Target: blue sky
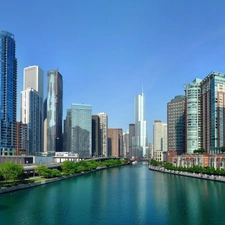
<point x="106" y="50"/>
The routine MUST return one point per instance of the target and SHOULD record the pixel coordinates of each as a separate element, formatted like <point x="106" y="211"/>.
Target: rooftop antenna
<point x="142" y="89"/>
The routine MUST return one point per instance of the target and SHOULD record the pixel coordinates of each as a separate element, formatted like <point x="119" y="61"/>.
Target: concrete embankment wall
<point x="48" y="181"/>
<point x="188" y="174"/>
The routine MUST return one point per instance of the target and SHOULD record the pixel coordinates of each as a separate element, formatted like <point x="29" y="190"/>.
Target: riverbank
<point x="18" y="187"/>
<point x="188" y="174"/>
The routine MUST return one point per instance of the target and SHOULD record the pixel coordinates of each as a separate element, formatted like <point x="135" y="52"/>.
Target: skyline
<point x="109" y="49"/>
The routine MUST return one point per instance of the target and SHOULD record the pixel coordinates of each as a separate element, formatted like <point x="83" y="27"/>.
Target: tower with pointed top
<point x="140" y="140"/>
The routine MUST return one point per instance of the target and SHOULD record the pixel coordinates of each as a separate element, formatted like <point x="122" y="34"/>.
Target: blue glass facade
<point x="81" y="129"/>
<point x="54" y="111"/>
<point x="8" y="92"/>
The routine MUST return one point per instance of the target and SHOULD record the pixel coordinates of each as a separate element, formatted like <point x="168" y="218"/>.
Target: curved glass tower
<point x="8" y="93"/>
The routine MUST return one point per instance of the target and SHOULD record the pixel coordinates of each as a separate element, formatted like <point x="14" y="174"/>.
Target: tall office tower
<point x="213" y="114"/>
<point x="160" y="136"/>
<point x="31" y="114"/>
<point x="115" y="142"/>
<point x="54" y="111"/>
<point x="34" y="78"/>
<point x="96" y="141"/>
<point x="193" y="138"/>
<point x="8" y="93"/>
<point x="21" y="138"/>
<point x="176" y="126"/>
<point x="81" y="132"/>
<point x="104" y="132"/>
<point x="126" y="144"/>
<point x="131" y="138"/>
<point x="141" y="131"/>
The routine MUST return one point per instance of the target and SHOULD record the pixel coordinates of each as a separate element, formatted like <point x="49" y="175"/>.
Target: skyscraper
<point x="31" y="114"/>
<point x="104" y="132"/>
<point x="34" y="78"/>
<point x="54" y="111"/>
<point x="115" y="142"/>
<point x="67" y="132"/>
<point x="193" y="119"/>
<point x="140" y="147"/>
<point x="32" y="107"/>
<point x="96" y="141"/>
<point x="131" y="138"/>
<point x="160" y="136"/>
<point x="176" y="126"/>
<point x="8" y="93"/>
<point x="81" y="129"/>
<point x="213" y="114"/>
<point x="126" y="145"/>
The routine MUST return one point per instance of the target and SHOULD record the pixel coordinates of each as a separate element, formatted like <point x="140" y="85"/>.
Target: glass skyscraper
<point x="8" y="92"/>
<point x="193" y="116"/>
<point x="81" y="130"/>
<point x="140" y="141"/>
<point x="54" y="111"/>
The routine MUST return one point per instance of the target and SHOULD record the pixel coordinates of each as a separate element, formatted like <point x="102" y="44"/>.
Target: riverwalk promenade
<point x="188" y="174"/>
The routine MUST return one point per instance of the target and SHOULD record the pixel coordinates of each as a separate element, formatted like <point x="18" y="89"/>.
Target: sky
<point x="106" y="50"/>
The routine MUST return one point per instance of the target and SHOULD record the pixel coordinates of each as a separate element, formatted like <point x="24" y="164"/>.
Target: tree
<point x="69" y="167"/>
<point x="11" y="171"/>
<point x="222" y="149"/>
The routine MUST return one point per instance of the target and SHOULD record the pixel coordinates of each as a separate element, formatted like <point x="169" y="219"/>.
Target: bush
<point x="11" y="171"/>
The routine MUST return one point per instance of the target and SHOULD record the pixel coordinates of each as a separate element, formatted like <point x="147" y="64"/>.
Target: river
<point x="123" y="195"/>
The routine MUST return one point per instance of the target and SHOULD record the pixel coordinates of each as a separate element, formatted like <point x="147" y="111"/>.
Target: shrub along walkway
<point x="188" y="174"/>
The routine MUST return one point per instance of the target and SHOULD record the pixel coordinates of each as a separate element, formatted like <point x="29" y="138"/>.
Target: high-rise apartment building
<point x="54" y="111"/>
<point x="32" y="107"/>
<point x="81" y="130"/>
<point x="8" y="93"/>
<point x="96" y="141"/>
<point x="104" y="133"/>
<point x="115" y="142"/>
<point x="160" y="136"/>
<point x="160" y="140"/>
<point x="140" y="147"/>
<point x="176" y="126"/>
<point x="193" y="138"/>
<point x="213" y="114"/>
<point x="31" y="114"/>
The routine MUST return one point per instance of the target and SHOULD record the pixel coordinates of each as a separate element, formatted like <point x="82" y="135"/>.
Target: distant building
<point x="140" y="141"/>
<point x="126" y="145"/>
<point x="160" y="139"/>
<point x="104" y="133"/>
<point x="96" y="136"/>
<point x="54" y="111"/>
<point x="176" y="126"/>
<point x="213" y="114"/>
<point x="8" y="93"/>
<point x="81" y="130"/>
<point x="193" y="118"/>
<point x="131" y="139"/>
<point x="115" y="142"/>
<point x="67" y="132"/>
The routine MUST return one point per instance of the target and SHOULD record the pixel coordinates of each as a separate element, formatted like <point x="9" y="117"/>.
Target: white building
<point x="160" y="139"/>
<point x="31" y="114"/>
<point x="104" y="132"/>
<point x="32" y="107"/>
<point x="140" y="140"/>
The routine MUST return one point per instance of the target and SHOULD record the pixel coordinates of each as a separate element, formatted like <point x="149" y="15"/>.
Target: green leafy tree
<point x="69" y="167"/>
<point x="11" y="171"/>
<point x="222" y="149"/>
<point x="56" y="173"/>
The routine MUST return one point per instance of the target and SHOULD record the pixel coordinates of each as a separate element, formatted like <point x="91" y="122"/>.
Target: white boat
<point x="134" y="162"/>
